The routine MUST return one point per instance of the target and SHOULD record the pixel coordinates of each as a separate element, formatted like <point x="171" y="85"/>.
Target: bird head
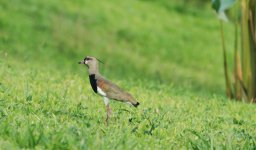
<point x="90" y="61"/>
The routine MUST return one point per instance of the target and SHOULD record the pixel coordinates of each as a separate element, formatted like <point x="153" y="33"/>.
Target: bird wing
<point x="113" y="91"/>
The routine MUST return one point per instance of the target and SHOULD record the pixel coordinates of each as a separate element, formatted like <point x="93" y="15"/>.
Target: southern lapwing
<point x="104" y="87"/>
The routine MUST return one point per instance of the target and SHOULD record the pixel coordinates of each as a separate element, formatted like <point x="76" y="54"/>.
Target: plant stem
<point x="228" y="87"/>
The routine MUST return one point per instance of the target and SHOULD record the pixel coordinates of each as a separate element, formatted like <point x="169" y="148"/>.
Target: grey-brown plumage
<point x="105" y="88"/>
<point x="114" y="92"/>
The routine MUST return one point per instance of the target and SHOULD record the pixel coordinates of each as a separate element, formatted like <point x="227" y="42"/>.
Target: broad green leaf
<point x="220" y="6"/>
<point x="216" y="5"/>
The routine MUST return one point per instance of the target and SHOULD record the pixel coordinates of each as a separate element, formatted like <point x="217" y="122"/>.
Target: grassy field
<point x="166" y="54"/>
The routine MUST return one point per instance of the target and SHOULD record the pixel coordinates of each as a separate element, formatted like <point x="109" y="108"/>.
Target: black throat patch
<point x="93" y="82"/>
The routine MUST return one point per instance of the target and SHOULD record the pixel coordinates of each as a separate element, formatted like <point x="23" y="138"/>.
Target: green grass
<point x="166" y="54"/>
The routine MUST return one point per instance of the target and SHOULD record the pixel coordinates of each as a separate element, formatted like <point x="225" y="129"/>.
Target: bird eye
<point x="87" y="58"/>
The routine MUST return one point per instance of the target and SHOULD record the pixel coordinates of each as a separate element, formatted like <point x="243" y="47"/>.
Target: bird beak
<point x="81" y="62"/>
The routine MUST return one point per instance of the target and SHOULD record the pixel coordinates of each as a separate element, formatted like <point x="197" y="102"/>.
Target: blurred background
<point x="147" y="42"/>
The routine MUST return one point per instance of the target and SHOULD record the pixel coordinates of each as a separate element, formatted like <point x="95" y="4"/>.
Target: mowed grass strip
<point x="60" y="111"/>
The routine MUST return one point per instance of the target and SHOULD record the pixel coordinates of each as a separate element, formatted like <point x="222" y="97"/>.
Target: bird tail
<point x="136" y="104"/>
<point x="132" y="101"/>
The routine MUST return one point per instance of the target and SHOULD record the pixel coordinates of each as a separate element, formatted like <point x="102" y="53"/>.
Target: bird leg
<point x="108" y="112"/>
<point x="106" y="101"/>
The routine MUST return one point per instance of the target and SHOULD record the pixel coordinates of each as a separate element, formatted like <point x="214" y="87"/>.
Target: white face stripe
<point x="106" y="100"/>
<point x="99" y="90"/>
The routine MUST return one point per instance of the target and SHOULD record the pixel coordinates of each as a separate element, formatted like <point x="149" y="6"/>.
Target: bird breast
<point x="101" y="92"/>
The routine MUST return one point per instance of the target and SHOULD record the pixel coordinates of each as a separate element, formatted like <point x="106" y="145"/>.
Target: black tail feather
<point x="136" y="104"/>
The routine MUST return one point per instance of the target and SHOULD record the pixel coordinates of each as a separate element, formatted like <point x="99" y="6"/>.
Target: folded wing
<point x="114" y="92"/>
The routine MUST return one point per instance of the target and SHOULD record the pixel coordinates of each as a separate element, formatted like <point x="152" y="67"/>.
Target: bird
<point x="105" y="88"/>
